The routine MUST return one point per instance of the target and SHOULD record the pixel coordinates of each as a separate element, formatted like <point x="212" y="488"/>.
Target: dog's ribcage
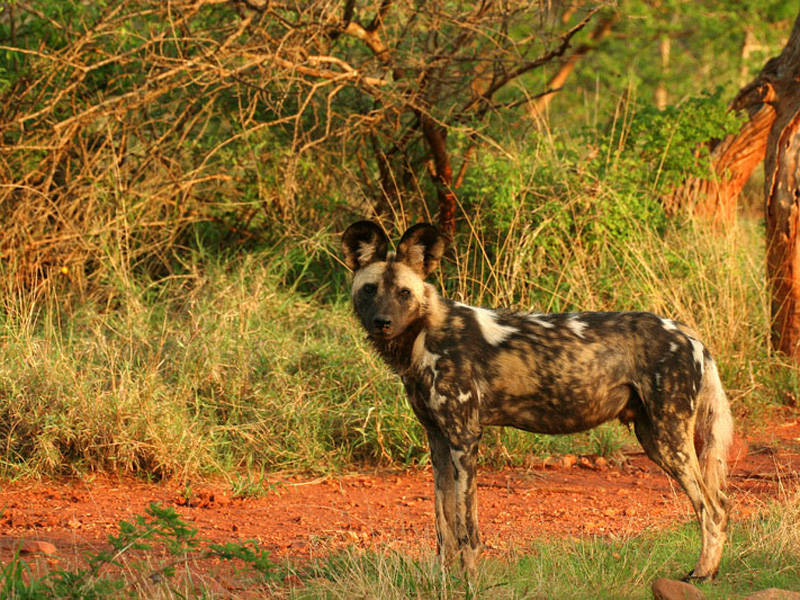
<point x="555" y="373"/>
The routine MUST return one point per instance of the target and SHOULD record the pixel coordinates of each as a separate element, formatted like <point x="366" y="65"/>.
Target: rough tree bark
<point x="734" y="157"/>
<point x="781" y="77"/>
<point x="442" y="173"/>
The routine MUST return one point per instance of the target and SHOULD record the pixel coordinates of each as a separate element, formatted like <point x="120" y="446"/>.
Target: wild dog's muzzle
<point x="382" y="327"/>
<point x="382" y="324"/>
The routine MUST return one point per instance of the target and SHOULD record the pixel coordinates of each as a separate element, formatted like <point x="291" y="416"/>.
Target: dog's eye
<point x="405" y="293"/>
<point x="370" y="289"/>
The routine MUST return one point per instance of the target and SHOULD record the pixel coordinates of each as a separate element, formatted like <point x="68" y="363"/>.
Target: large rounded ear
<point x="420" y="248"/>
<point x="364" y="243"/>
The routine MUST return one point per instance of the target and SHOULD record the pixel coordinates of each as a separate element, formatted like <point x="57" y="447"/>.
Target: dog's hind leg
<point x="444" y="483"/>
<point x="670" y="444"/>
<point x="714" y="432"/>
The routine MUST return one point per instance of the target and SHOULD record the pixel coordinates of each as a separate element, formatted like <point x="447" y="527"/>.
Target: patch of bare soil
<point x="303" y="518"/>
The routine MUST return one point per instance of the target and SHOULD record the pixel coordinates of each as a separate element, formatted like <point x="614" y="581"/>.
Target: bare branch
<point x="545" y="58"/>
<point x="311" y="68"/>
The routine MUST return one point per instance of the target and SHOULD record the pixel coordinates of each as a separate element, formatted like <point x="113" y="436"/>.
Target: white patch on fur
<point x="464" y="397"/>
<point x="538" y="319"/>
<point x="436" y="400"/>
<point x="715" y="420"/>
<point x="418" y="349"/>
<point x="429" y="359"/>
<point x="492" y="331"/>
<point x="421" y="357"/>
<point x="669" y="325"/>
<point x="457" y="456"/>
<point x="576" y="326"/>
<point x="673" y="346"/>
<point x="697" y="351"/>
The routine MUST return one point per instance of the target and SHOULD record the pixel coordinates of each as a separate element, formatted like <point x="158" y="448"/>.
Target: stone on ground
<point x="669" y="589"/>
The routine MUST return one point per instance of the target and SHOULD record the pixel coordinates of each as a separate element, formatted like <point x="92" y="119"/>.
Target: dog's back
<point x="559" y="373"/>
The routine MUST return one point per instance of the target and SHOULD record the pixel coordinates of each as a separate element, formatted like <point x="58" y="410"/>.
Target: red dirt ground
<point x="305" y="518"/>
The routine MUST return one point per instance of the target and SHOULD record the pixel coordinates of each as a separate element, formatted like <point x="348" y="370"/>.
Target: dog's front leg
<point x="445" y="496"/>
<point x="464" y="458"/>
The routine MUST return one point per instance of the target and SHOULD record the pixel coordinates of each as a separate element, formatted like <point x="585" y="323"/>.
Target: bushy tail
<point x="713" y="428"/>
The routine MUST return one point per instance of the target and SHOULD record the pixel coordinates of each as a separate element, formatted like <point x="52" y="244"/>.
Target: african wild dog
<point x="465" y="368"/>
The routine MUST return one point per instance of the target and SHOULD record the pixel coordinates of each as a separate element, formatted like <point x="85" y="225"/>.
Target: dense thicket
<point x="125" y="123"/>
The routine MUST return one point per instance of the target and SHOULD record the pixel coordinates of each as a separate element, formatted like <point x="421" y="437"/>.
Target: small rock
<point x="37" y="547"/>
<point x="220" y="499"/>
<point x="774" y="594"/>
<point x="568" y="461"/>
<point x="208" y="499"/>
<point x="669" y="589"/>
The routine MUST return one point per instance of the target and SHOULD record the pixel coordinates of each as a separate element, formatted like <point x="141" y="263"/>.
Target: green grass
<point x="155" y="555"/>
<point x="244" y="363"/>
<point x="241" y="363"/>
<point x="763" y="552"/>
<point x="217" y="371"/>
<point x="136" y="339"/>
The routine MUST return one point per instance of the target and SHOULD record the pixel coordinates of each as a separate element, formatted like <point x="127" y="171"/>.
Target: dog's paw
<point x="692" y="578"/>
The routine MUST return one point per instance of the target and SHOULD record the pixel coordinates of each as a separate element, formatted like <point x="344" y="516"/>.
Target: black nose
<point x="382" y="323"/>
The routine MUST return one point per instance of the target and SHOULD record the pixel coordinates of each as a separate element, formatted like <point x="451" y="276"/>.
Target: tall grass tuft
<point x="219" y="369"/>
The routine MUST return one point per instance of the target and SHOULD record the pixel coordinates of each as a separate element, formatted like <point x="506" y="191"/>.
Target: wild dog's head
<point x="389" y="291"/>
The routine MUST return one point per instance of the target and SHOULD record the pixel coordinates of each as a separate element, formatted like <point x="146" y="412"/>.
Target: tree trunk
<point x="782" y="195"/>
<point x="442" y="172"/>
